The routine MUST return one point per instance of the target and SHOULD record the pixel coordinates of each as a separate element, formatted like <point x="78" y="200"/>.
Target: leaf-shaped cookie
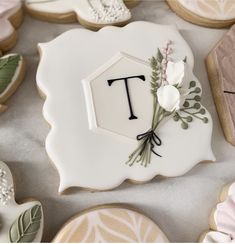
<point x="26" y="227"/>
<point x="8" y="68"/>
<point x="11" y="75"/>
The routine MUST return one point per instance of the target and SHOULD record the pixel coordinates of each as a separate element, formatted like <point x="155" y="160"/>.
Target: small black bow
<point x="152" y="138"/>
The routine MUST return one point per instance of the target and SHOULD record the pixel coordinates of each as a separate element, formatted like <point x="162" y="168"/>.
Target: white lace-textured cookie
<point x="108" y="224"/>
<point x="10" y="18"/>
<point x="222" y="221"/>
<point x="121" y="116"/>
<point x="210" y="13"/>
<point x="19" y="223"/>
<point x="93" y="14"/>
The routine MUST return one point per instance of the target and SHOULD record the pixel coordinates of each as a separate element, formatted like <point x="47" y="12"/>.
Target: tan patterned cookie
<point x="220" y="66"/>
<point x="11" y="16"/>
<point x="210" y="13"/>
<point x="19" y="223"/>
<point x="12" y="71"/>
<point x="110" y="223"/>
<point x="92" y="14"/>
<point x="222" y="221"/>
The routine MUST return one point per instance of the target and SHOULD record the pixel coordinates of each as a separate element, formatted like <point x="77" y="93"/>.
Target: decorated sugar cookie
<point x="110" y="223"/>
<point x="93" y="14"/>
<point x="126" y="112"/>
<point x="210" y="13"/>
<point x="10" y="18"/>
<point x="220" y="67"/>
<point x="19" y="223"/>
<point x="222" y="220"/>
<point x="12" y="70"/>
<point x="131" y="3"/>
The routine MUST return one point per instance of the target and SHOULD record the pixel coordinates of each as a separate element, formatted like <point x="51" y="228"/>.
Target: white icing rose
<point x="175" y="73"/>
<point x="172" y="95"/>
<point x="169" y="98"/>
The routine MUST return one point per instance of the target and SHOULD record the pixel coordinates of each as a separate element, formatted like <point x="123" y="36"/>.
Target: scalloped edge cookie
<point x="219" y="227"/>
<point x="194" y="18"/>
<point x="15" y="19"/>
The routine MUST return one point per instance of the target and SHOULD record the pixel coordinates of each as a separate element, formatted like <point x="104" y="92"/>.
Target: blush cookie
<point x="92" y="14"/>
<point x="209" y="13"/>
<point x="222" y="221"/>
<point x="108" y="224"/>
<point x="128" y="112"/>
<point x="220" y="66"/>
<point x="12" y="70"/>
<point x="19" y="223"/>
<point x="11" y="16"/>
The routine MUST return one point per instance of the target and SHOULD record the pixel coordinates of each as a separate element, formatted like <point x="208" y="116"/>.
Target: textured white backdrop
<point x="180" y="206"/>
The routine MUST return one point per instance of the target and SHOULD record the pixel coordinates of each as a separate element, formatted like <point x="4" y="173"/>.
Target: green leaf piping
<point x="26" y="227"/>
<point x="8" y="68"/>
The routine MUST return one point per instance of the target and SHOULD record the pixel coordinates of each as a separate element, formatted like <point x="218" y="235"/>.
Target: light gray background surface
<point x="180" y="206"/>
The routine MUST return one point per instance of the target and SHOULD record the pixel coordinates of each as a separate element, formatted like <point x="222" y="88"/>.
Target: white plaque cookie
<point x="123" y="103"/>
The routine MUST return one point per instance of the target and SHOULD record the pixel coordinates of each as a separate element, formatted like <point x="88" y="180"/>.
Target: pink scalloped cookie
<point x="222" y="220"/>
<point x="10" y="18"/>
<point x="210" y="13"/>
<point x="110" y="223"/>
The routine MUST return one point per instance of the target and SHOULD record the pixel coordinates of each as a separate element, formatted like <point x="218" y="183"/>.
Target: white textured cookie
<point x="210" y="13"/>
<point x="222" y="220"/>
<point x="93" y="14"/>
<point x="110" y="107"/>
<point x="19" y="222"/>
<point x="111" y="223"/>
<point x="10" y="18"/>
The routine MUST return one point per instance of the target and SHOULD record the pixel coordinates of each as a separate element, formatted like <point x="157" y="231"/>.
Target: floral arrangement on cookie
<point x="172" y="96"/>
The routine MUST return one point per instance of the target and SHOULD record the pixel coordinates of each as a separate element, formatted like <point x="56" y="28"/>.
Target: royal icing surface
<point x="7" y="9"/>
<point x="224" y="219"/>
<point x="93" y="11"/>
<point x="225" y="216"/>
<point x="211" y="9"/>
<point x="10" y="212"/>
<point x="216" y="237"/>
<point x="110" y="225"/>
<point x="75" y="148"/>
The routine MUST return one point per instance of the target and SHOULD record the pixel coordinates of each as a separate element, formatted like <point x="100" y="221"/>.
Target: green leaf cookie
<point x="26" y="227"/>
<point x="8" y="68"/>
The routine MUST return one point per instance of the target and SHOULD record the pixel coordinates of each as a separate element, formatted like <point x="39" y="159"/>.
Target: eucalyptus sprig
<point x="149" y="139"/>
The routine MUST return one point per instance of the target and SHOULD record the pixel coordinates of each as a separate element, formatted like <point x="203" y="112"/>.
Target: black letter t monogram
<point x="142" y="77"/>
